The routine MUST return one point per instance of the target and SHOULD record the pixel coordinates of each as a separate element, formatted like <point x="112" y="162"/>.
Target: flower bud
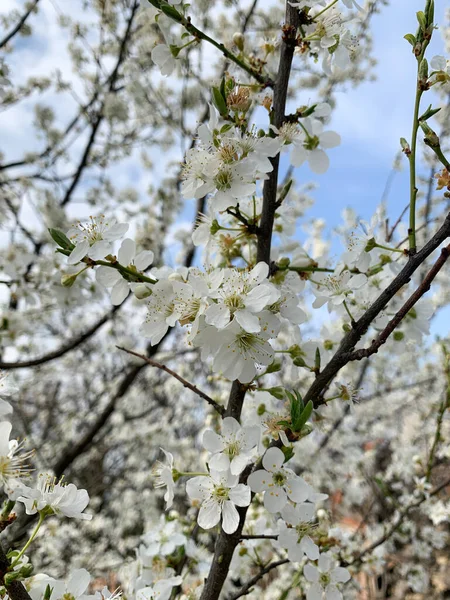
<point x="239" y="40"/>
<point x="142" y="291"/>
<point x="67" y="280"/>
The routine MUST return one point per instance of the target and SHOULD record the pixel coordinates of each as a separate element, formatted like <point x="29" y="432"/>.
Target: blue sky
<point x="370" y="118"/>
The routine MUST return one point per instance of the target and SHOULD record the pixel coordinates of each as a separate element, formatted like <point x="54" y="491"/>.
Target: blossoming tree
<point x="296" y="413"/>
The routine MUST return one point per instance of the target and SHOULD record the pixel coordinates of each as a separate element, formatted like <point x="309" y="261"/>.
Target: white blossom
<point x="278" y="482"/>
<point x="219" y="494"/>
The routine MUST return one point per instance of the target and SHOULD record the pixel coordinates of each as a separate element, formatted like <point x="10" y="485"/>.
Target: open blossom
<point x="162" y="540"/>
<point x="60" y="498"/>
<point x="161" y="590"/>
<point x="13" y="462"/>
<point x="296" y="539"/>
<point x="312" y="144"/>
<point x="163" y="474"/>
<point x="232" y="449"/>
<point x="163" y="57"/>
<point x="95" y="238"/>
<point x="241" y="296"/>
<point x="75" y="587"/>
<point x="278" y="482"/>
<point x="161" y="312"/>
<point x="219" y="494"/>
<point x="236" y="352"/>
<point x="334" y="289"/>
<point x="6" y="390"/>
<point x="324" y="579"/>
<point x="127" y="257"/>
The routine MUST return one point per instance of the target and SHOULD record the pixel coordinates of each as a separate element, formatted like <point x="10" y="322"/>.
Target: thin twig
<point x="247" y="588"/>
<point x="186" y="384"/>
<point x="399" y="316"/>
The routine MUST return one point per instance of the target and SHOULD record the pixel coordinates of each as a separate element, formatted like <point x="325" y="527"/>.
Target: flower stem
<point x="325" y="9"/>
<point x="412" y="170"/>
<point x="33" y="535"/>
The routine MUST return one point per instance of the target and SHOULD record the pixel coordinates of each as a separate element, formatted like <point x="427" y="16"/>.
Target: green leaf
<point x="422" y="20"/>
<point x="277" y="392"/>
<point x="219" y="102"/>
<point x="430" y="112"/>
<point x="61" y="239"/>
<point x="296" y="412"/>
<point x="226" y="127"/>
<point x="409" y="37"/>
<point x="301" y="422"/>
<point x="171" y="12"/>
<point x="317" y="360"/>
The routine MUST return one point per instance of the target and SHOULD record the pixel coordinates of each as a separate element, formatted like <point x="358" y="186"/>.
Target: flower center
<point x="223" y="180"/>
<point x="234" y="302"/>
<point x="220" y="493"/>
<point x="233" y="449"/>
<point x="325" y="579"/>
<point x="279" y="478"/>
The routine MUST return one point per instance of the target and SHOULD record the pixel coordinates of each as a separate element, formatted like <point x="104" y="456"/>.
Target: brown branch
<point x="63" y="349"/>
<point x="247" y="587"/>
<point x="401" y="314"/>
<point x="348" y="343"/>
<point x="226" y="543"/>
<point x="217" y="407"/>
<point x="259" y="537"/>
<point x="18" y="25"/>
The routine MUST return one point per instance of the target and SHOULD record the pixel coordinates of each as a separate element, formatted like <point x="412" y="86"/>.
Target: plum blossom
<point x="57" y="496"/>
<point x="324" y="579"/>
<point x="312" y="145"/>
<point x="111" y="278"/>
<point x="163" y="475"/>
<point x="241" y="297"/>
<point x="95" y="238"/>
<point x="75" y="587"/>
<point x="163" y="57"/>
<point x="162" y="540"/>
<point x="296" y="539"/>
<point x="13" y="462"/>
<point x="278" y="482"/>
<point x="161" y="589"/>
<point x="237" y="352"/>
<point x="6" y="389"/>
<point x="232" y="449"/>
<point x="219" y="494"/>
<point x="161" y="312"/>
<point x="334" y="289"/>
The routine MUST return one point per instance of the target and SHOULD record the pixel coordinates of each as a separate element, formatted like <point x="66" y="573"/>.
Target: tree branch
<point x="348" y="343"/>
<point x="63" y="349"/>
<point x="217" y="407"/>
<point x="19" y="24"/>
<point x="401" y="314"/>
<point x="247" y="588"/>
<point x="226" y="543"/>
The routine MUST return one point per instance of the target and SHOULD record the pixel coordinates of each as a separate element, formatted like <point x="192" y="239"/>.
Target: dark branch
<point x="18" y="25"/>
<point x="401" y="314"/>
<point x="247" y="588"/>
<point x="186" y="384"/>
